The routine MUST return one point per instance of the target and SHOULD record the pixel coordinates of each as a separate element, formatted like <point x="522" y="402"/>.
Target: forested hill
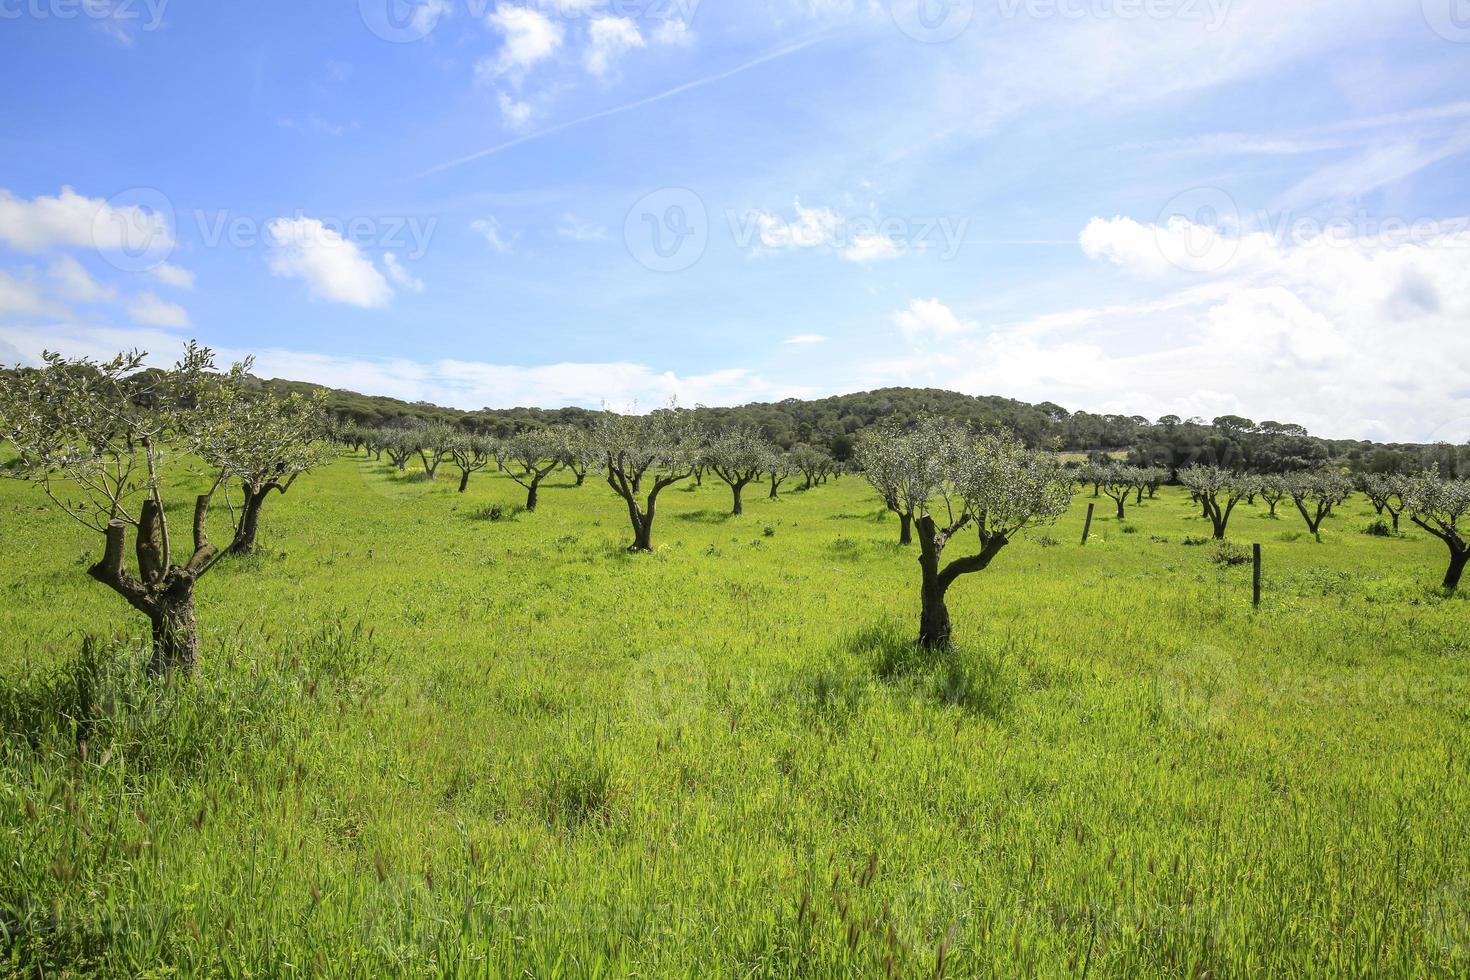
<point x="832" y="424"/>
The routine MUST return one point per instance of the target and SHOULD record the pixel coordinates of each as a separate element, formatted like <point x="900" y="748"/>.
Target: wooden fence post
<point x="1256" y="576"/>
<point x="1087" y="528"/>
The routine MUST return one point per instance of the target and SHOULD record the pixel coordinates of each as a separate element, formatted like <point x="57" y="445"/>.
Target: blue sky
<point x="1141" y="206"/>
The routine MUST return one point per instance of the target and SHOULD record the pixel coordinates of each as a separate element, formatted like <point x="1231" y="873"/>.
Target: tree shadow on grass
<point x="870" y="517"/>
<point x="972" y="680"/>
<point x="705" y="516"/>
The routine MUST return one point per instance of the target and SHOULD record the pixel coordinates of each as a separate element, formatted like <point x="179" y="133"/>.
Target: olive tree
<point x="432" y="442"/>
<point x="1272" y="488"/>
<point x="1386" y="493"/>
<point x="578" y="454"/>
<point x="655" y="450"/>
<point x="1438" y="506"/>
<point x="471" y="453"/>
<point x="400" y="445"/>
<point x="779" y="469"/>
<point x="1319" y="490"/>
<point x="738" y="456"/>
<point x="1218" y="492"/>
<point x="263" y="440"/>
<point x="1150" y="478"/>
<point x="532" y="456"/>
<point x="96" y="438"/>
<point x="1118" y="482"/>
<point x="812" y="463"/>
<point x="991" y="485"/>
<point x="897" y="466"/>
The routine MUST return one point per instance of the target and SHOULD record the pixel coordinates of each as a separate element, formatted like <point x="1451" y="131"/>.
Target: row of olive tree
<point x="1437" y="505"/>
<point x="98" y="438"/>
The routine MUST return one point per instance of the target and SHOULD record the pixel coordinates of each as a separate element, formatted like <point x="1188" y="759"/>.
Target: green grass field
<point x="425" y="742"/>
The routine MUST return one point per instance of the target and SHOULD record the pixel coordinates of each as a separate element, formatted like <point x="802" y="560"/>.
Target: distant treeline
<point x="832" y="425"/>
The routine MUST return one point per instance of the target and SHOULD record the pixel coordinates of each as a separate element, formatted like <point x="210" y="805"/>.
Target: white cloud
<point x="70" y="219"/>
<point x="23" y="297"/>
<point x="926" y="318"/>
<point x="76" y="284"/>
<point x="334" y="268"/>
<point x="516" y="112"/>
<point x="816" y="228"/>
<point x="400" y="275"/>
<point x="172" y="275"/>
<point x="870" y="247"/>
<point x="580" y="231"/>
<point x="1355" y="337"/>
<point x="674" y="32"/>
<point x="806" y="338"/>
<point x="148" y="309"/>
<point x="489" y="229"/>
<point x="571" y="8"/>
<point x="810" y="228"/>
<point x="608" y="39"/>
<point x="458" y="383"/>
<point x="530" y="37"/>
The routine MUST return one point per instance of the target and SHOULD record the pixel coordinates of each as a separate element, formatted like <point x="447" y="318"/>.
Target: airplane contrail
<point x="603" y="114"/>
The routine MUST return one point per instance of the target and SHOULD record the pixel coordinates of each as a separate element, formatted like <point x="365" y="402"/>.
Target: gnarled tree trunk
<point x="175" y="631"/>
<point x="244" y="542"/>
<point x="1458" y="560"/>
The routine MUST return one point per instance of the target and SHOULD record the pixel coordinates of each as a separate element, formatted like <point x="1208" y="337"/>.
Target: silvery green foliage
<point x="901" y="463"/>
<point x="1436" y="504"/>
<point x="95" y="435"/>
<point x="1325" y="487"/>
<point x="666" y="442"/>
<point x="1211" y="481"/>
<point x="738" y="454"/>
<point x="1119" y="479"/>
<point x="534" y="449"/>
<point x="1003" y="486"/>
<point x="991" y="480"/>
<point x="246" y="433"/>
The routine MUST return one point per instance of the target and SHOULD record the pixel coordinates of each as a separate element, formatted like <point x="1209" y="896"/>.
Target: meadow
<point x="433" y="735"/>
